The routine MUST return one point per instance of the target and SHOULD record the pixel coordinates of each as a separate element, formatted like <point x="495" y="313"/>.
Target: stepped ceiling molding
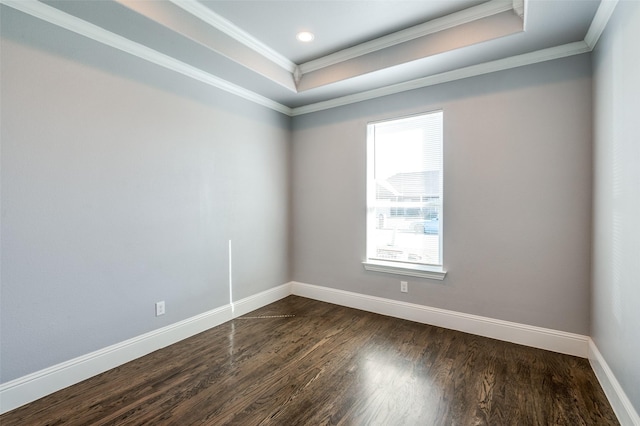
<point x="362" y="49"/>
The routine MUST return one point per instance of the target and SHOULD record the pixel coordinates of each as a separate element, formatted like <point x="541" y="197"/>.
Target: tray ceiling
<point x="362" y="49"/>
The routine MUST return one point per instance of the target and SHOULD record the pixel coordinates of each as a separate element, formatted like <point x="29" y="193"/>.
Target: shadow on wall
<point x="408" y="102"/>
<point x="51" y="39"/>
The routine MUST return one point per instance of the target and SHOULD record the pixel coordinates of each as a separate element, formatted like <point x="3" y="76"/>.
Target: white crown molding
<point x="525" y="21"/>
<point x="543" y="55"/>
<point x="462" y="17"/>
<point x="599" y="23"/>
<point x="523" y="334"/>
<point x="33" y="386"/>
<point x="69" y="22"/>
<point x="519" y="8"/>
<point x="205" y="14"/>
<point x="94" y="32"/>
<point x="618" y="399"/>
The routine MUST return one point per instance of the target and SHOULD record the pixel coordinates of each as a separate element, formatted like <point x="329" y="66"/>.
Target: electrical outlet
<point x="404" y="287"/>
<point x="159" y="308"/>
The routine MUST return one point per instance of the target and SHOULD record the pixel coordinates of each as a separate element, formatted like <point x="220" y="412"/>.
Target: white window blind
<point x="404" y="190"/>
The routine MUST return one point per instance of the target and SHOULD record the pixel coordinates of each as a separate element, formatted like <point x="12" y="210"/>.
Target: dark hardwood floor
<point x="303" y="362"/>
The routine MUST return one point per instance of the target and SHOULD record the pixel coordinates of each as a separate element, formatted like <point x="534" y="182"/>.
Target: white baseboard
<point x="627" y="415"/>
<point x="537" y="337"/>
<point x="44" y="382"/>
<point x="28" y="388"/>
<point x="251" y="303"/>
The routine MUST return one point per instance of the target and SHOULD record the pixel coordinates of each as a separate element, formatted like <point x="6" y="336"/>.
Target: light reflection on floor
<point x="392" y="387"/>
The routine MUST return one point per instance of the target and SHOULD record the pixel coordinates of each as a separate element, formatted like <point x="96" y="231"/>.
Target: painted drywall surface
<point x="517" y="191"/>
<point x="616" y="236"/>
<point x="122" y="184"/>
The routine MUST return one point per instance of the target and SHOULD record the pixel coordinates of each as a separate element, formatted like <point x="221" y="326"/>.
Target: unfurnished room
<point x="320" y="212"/>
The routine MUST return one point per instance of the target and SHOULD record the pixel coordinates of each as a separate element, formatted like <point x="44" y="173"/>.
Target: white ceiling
<point x="336" y="24"/>
<point x="362" y="49"/>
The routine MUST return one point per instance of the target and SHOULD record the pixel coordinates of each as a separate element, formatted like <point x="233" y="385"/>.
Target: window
<point x="404" y="196"/>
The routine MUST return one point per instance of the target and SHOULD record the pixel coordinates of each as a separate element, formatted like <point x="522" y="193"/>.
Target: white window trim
<point x="433" y="272"/>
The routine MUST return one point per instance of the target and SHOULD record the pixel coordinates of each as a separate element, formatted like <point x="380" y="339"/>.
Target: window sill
<point x="412" y="270"/>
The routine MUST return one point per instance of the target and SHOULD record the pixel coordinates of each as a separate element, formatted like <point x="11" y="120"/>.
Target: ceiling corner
<point x="599" y="23"/>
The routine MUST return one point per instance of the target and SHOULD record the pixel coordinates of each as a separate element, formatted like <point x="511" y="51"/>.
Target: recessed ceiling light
<point x="305" y="36"/>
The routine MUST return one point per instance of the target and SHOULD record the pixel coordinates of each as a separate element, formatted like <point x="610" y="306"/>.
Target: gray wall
<point x="517" y="191"/>
<point x="121" y="186"/>
<point x="616" y="235"/>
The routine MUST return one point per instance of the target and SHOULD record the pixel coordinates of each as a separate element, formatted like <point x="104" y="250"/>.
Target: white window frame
<point x="418" y="270"/>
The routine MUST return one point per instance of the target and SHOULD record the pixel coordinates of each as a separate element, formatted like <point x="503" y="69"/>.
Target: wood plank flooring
<point x="304" y="362"/>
